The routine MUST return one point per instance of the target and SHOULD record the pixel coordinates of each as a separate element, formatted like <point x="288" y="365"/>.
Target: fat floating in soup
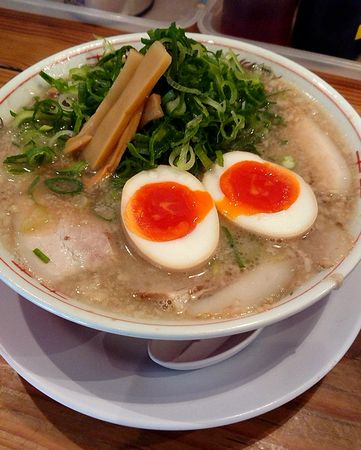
<point x="149" y="250"/>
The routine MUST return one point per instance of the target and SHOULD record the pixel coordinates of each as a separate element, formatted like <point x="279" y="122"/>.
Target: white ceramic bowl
<point x="17" y="93"/>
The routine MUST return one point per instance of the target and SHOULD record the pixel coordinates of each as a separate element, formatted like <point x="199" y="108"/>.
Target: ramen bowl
<point x="18" y="92"/>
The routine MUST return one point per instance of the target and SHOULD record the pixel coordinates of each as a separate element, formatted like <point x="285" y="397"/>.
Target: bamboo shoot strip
<point x="152" y="110"/>
<point x="132" y="62"/>
<point x="75" y="143"/>
<point x="114" y="160"/>
<point x="152" y="67"/>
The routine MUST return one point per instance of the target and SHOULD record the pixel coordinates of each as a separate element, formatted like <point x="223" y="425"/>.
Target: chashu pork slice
<point x="72" y="240"/>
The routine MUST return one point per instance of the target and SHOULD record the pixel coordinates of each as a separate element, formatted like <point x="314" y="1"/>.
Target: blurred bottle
<point x="328" y="27"/>
<point x="259" y="20"/>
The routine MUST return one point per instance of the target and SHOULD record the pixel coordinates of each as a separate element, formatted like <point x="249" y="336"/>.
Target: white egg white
<point x="289" y="223"/>
<point x="178" y="254"/>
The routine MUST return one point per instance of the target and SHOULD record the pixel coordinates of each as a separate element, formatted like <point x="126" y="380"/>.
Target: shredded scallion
<point x="41" y="255"/>
<point x="64" y="185"/>
<point x="33" y="185"/>
<point x="231" y="242"/>
<point x="212" y="103"/>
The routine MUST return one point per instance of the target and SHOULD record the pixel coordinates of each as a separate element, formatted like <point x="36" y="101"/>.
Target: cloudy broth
<point x="95" y="265"/>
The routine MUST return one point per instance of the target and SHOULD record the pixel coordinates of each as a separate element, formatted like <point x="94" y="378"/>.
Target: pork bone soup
<point x="174" y="183"/>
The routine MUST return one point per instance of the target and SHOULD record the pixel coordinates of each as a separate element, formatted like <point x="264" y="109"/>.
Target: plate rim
<point x="153" y="423"/>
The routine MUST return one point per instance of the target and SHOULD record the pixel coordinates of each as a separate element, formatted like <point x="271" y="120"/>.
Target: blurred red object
<point x="259" y="20"/>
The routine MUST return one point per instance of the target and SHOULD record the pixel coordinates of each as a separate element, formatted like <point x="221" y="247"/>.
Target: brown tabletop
<point x="327" y="416"/>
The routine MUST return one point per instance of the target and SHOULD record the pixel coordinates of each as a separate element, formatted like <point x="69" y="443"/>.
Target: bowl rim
<point x="17" y="278"/>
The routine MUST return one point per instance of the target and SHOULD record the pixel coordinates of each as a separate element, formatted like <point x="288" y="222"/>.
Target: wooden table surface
<point x="327" y="416"/>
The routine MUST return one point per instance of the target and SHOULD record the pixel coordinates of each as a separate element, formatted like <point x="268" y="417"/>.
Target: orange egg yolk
<point x="252" y="187"/>
<point x="166" y="211"/>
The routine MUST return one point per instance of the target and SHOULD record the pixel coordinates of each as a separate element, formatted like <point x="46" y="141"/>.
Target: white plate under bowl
<point x="111" y="377"/>
<point x="18" y="91"/>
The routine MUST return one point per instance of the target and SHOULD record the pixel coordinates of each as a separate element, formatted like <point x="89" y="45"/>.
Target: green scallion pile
<point x="212" y="104"/>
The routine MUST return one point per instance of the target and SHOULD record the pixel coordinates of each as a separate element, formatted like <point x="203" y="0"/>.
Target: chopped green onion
<point x="22" y="116"/>
<point x="47" y="110"/>
<point x="179" y="87"/>
<point x="211" y="101"/>
<point x="202" y="155"/>
<point x="182" y="158"/>
<point x="105" y="212"/>
<point x="38" y="155"/>
<point x="17" y="164"/>
<point x="60" y="84"/>
<point x="64" y="185"/>
<point x="74" y="170"/>
<point x="42" y="256"/>
<point x="134" y="152"/>
<point x="29" y="160"/>
<point x="231" y="242"/>
<point x="289" y="162"/>
<point x="45" y="128"/>
<point x="219" y="158"/>
<point x="33" y="185"/>
<point x="16" y="159"/>
<point x="60" y="135"/>
<point x="175" y="107"/>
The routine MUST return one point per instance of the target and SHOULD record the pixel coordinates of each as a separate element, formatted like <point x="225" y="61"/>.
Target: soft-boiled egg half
<point x="260" y="196"/>
<point x="170" y="218"/>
